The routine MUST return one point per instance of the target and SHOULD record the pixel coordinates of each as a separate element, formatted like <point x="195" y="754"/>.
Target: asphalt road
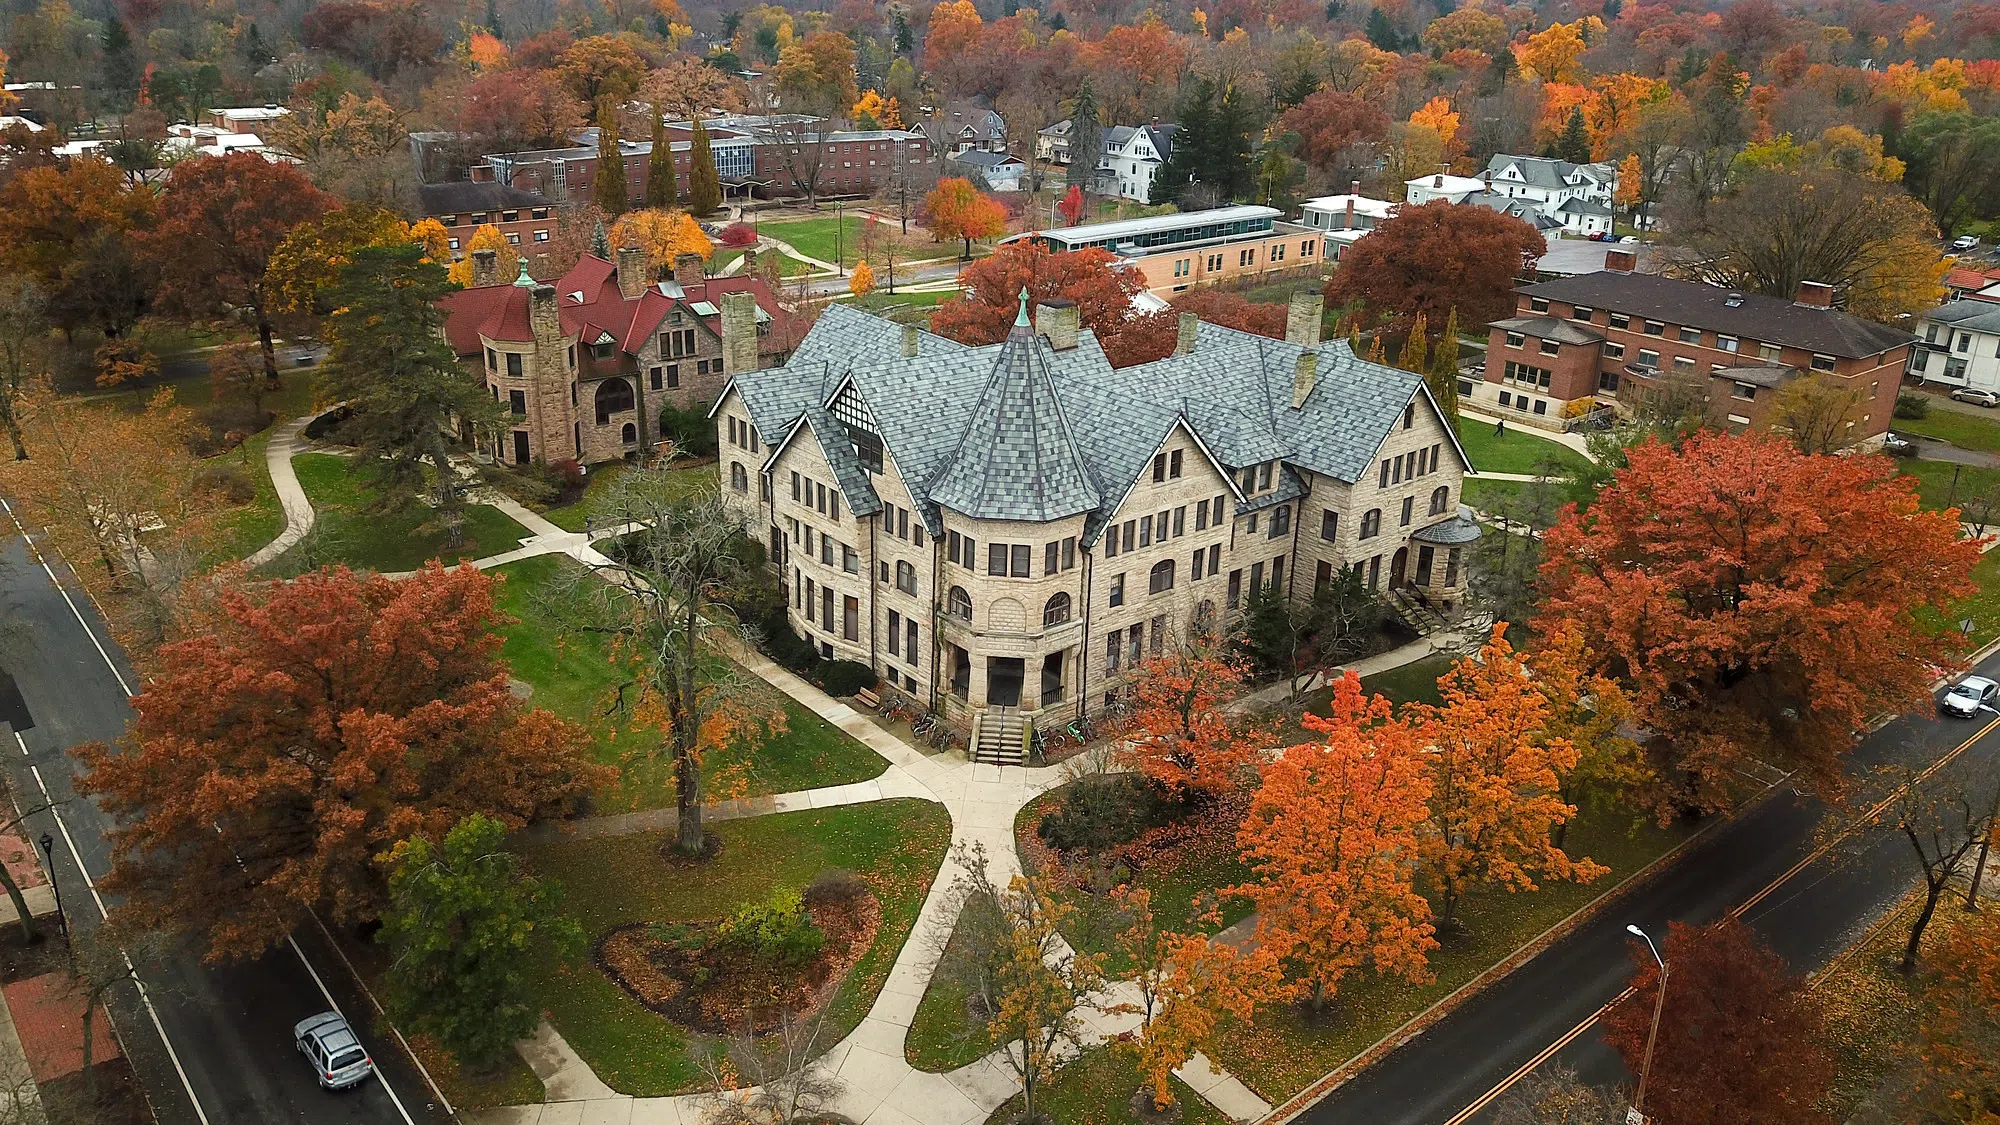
<point x="212" y="1043"/>
<point x="1809" y="909"/>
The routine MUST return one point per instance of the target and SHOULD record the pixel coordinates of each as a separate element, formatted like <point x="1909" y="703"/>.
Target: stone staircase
<point x="1415" y="613"/>
<point x="999" y="738"/>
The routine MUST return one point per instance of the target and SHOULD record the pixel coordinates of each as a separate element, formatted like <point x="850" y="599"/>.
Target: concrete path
<point x="20" y="1098"/>
<point x="292" y="498"/>
<point x="1931" y="449"/>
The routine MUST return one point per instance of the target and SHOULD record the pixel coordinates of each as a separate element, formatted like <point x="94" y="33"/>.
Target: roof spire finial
<point x="526" y="280"/>
<point x="1021" y="318"/>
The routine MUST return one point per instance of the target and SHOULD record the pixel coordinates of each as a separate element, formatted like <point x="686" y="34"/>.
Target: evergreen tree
<point x="121" y="64"/>
<point x="1298" y="88"/>
<point x="905" y="40"/>
<point x="493" y="19"/>
<point x="704" y="186"/>
<point x="1415" y="354"/>
<point x="609" y="189"/>
<point x="1086" y="138"/>
<point x="1189" y="158"/>
<point x="1574" y="143"/>
<point x="1504" y="67"/>
<point x="1442" y="378"/>
<point x="1210" y="163"/>
<point x="1382" y="33"/>
<point x="600" y="242"/>
<point x="1229" y="146"/>
<point x="661" y="191"/>
<point x="1057" y="22"/>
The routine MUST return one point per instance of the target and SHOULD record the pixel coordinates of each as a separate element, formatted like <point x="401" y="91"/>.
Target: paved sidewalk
<point x="292" y="498"/>
<point x="1278" y="694"/>
<point x="20" y="1099"/>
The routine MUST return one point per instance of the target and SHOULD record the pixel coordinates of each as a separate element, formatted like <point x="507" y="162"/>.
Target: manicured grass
<point x="1281" y="1053"/>
<point x="1415" y="682"/>
<point x="693" y="479"/>
<point x="896" y="846"/>
<point x="578" y="676"/>
<point x="1516" y="451"/>
<point x="1983" y="607"/>
<point x="250" y="526"/>
<point x="1097" y="1089"/>
<point x="1967" y="431"/>
<point x="880" y="300"/>
<point x="391" y="542"/>
<point x="943" y="1035"/>
<point x="1942" y="484"/>
<point x="1486" y="495"/>
<point x="815" y="237"/>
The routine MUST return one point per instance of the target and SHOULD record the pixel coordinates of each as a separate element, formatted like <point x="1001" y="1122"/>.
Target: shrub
<point x="776" y="931"/>
<point x="1910" y="404"/>
<point x="833" y="886"/>
<point x="845" y="677"/>
<point x="225" y="482"/>
<point x="1578" y="407"/>
<point x="1102" y="812"/>
<point x="738" y="236"/>
<point x="691" y="430"/>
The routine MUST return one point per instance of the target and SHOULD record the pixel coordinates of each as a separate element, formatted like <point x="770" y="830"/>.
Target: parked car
<point x="1897" y="446"/>
<point x="1628" y="239"/>
<point x="1603" y="236"/>
<point x="1976" y="397"/>
<point x="1965" y="242"/>
<point x="338" y="1059"/>
<point x="1969" y="696"/>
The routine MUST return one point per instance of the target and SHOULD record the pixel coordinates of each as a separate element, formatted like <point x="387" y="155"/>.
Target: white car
<point x="338" y="1059"/>
<point x="1969" y="696"/>
<point x="1965" y="242"/>
<point x="1976" y="397"/>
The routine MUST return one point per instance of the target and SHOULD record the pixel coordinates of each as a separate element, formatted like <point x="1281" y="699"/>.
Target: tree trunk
<point x="264" y="344"/>
<point x="1978" y="873"/>
<point x="30" y="933"/>
<point x="450" y="506"/>
<point x="687" y="763"/>
<point x="14" y="432"/>
<point x="1933" y="889"/>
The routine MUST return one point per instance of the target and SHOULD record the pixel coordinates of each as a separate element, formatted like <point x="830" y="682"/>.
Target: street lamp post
<point x="1637" y="1116"/>
<point x="836" y="238"/>
<point x="48" y="844"/>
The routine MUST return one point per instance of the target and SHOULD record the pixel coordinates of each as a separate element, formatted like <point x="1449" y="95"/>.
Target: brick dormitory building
<point x="1617" y="336"/>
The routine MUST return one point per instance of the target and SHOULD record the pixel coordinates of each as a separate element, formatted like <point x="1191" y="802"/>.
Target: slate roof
<point x="1699" y="305"/>
<point x="1975" y="316"/>
<point x="1021" y="431"/>
<point x="1521" y="207"/>
<point x="1550" y="328"/>
<point x="983" y="159"/>
<point x="1544" y="172"/>
<point x="1773" y="375"/>
<point x="465" y="196"/>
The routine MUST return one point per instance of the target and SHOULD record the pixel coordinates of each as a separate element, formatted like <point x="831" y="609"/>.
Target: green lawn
<point x="1282" y="1052"/>
<point x="1942" y="484"/>
<point x="1516" y="451"/>
<point x="693" y="479"/>
<point x="1983" y="607"/>
<point x="943" y="1035"/>
<point x="1097" y="1088"/>
<point x="1967" y="431"/>
<point x="815" y="237"/>
<point x="393" y="542"/>
<point x="897" y="846"/>
<point x="880" y="300"/>
<point x="246" y="528"/>
<point x="576" y="676"/>
<point x="1485" y="495"/>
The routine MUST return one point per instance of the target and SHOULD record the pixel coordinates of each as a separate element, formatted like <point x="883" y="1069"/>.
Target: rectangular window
<point x="1131" y="529"/>
<point x="951" y="545"/>
<point x="1051" y="558"/>
<point x="1649" y="358"/>
<point x="1214" y="559"/>
<point x="851" y="562"/>
<point x="1135" y="648"/>
<point x="826" y="551"/>
<point x="1655" y="328"/>
<point x="826" y="608"/>
<point x="1620" y="320"/>
<point x="1683" y="365"/>
<point x="1235" y="588"/>
<point x="895" y="630"/>
<point x="1117" y="590"/>
<point x="1201" y="516"/>
<point x="1069" y="553"/>
<point x="1409" y="509"/>
<point x="1281" y="521"/>
<point x="1382" y="481"/>
<point x="1159" y="467"/>
<point x="673" y="376"/>
<point x="1538" y="304"/>
<point x="1111" y="542"/>
<point x="514" y="365"/>
<point x="1607" y="381"/>
<point x="996" y="560"/>
<point x="517" y="401"/>
<point x="850" y="618"/>
<point x="1114" y="646"/>
<point x="1550" y="347"/>
<point x="1614" y="351"/>
<point x="1515" y="340"/>
<point x="1145" y="531"/>
<point x="1744" y="391"/>
<point x="1690" y="336"/>
<point x="1256" y="576"/>
<point x="1174" y="465"/>
<point x="1194" y="566"/>
<point x="1159" y="640"/>
<point x="1329" y="525"/>
<point x="1024" y="561"/>
<point x="1581" y="313"/>
<point x="1216" y="518"/>
<point x="1726" y="343"/>
<point x="1822" y="362"/>
<point x="910" y="640"/>
<point x="835" y="498"/>
<point x="1278" y="574"/>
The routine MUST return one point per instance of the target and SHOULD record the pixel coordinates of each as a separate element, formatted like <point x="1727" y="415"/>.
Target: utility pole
<point x="1637" y="1115"/>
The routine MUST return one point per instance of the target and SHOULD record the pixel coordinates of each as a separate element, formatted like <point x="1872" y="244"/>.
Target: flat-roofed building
<point x="1175" y="252"/>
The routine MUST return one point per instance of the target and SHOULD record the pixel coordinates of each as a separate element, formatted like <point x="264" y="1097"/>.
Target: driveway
<point x="1931" y="449"/>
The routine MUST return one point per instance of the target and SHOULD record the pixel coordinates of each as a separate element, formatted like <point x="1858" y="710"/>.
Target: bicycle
<point x="1038" y="744"/>
<point x="922" y="724"/>
<point x="1079" y="729"/>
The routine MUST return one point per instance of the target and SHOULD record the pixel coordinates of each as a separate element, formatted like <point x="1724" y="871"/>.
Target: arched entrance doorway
<point x="1399" y="568"/>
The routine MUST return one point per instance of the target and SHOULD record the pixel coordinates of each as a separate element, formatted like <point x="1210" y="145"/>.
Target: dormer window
<point x="601" y="351"/>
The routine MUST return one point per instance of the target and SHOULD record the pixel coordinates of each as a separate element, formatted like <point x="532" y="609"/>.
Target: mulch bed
<point x="735" y="990"/>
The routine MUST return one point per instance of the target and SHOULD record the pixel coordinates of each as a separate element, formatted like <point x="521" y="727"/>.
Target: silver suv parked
<point x="336" y="1054"/>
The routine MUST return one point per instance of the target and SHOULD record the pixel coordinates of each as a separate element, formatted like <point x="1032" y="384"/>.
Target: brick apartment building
<point x="526" y="219"/>
<point x="1618" y="336"/>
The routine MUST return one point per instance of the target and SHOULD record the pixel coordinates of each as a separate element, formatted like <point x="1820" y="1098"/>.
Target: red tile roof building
<point x="586" y="363"/>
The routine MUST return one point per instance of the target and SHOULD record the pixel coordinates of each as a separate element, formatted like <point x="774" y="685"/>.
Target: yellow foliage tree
<point x="305" y="267"/>
<point x="485" y="51"/>
<point x="436" y="241"/>
<point x="1553" y="53"/>
<point x="663" y="234"/>
<point x="862" y="281"/>
<point x="1630" y="178"/>
<point x="1441" y="121"/>
<point x="487" y="237"/>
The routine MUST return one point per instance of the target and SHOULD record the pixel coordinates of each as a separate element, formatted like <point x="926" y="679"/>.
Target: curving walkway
<point x="278" y="453"/>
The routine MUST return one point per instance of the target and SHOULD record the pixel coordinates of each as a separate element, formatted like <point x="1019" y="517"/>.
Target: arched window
<point x="1440" y="498"/>
<point x="1056" y="611"/>
<point x="613" y="396"/>
<point x="738" y="478"/>
<point x="1162" y="578"/>
<point x="1371" y="523"/>
<point x="959" y="603"/>
<point x="906" y="577"/>
<point x="629" y="434"/>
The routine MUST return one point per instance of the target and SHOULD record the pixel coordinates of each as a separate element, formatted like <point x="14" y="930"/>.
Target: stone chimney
<point x="1305" y="376"/>
<point x="911" y="335"/>
<point x="632" y="271"/>
<point x="688" y="269"/>
<point x="544" y="319"/>
<point x="1056" y="318"/>
<point x="1184" y="337"/>
<point x="551" y="414"/>
<point x="1620" y="261"/>
<point x="1302" y="318"/>
<point x="749" y="262"/>
<point x="485" y="268"/>
<point x="1817" y="294"/>
<point x="739" y="332"/>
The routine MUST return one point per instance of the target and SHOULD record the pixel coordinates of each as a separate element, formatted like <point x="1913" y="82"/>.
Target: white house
<point x="997" y="170"/>
<point x="1554" y="196"/>
<point x="1132" y="156"/>
<point x="1438" y="185"/>
<point x="1958" y="344"/>
<point x="1352" y="211"/>
<point x="1052" y="143"/>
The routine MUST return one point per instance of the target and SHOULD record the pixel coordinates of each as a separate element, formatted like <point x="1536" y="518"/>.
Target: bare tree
<point x="773" y="1079"/>
<point x="1945" y="816"/>
<point x="1555" y="1095"/>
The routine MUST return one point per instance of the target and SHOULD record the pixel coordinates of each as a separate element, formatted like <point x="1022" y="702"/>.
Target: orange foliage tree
<point x="956" y="209"/>
<point x="1959" y="1038"/>
<point x="301" y="733"/>
<point x="1496" y="775"/>
<point x="1178" y="733"/>
<point x="1761" y="605"/>
<point x="1333" y="837"/>
<point x="1103" y="294"/>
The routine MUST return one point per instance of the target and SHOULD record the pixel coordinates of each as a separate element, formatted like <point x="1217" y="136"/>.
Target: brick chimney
<point x="485" y="268"/>
<point x="1620" y="261"/>
<point x="1305" y="376"/>
<point x="1437" y="181"/>
<point x="688" y="269"/>
<point x="1056" y="319"/>
<point x="739" y="332"/>
<point x="911" y="337"/>
<point x="1816" y="294"/>
<point x="632" y="271"/>
<point x="1302" y="318"/>
<point x="1184" y="336"/>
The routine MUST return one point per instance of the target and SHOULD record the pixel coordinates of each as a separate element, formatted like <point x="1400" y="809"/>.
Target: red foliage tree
<point x="1434" y="258"/>
<point x="220" y="220"/>
<point x="1072" y="205"/>
<point x="739" y="236"/>
<point x="1178" y="733"/>
<point x="303" y="732"/>
<point x="1739" y="1038"/>
<point x="1330" y="123"/>
<point x="1760" y="605"/>
<point x="1150" y="336"/>
<point x="1102" y="292"/>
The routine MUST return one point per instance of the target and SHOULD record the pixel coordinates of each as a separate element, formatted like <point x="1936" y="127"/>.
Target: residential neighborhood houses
<point x="970" y="564"/>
